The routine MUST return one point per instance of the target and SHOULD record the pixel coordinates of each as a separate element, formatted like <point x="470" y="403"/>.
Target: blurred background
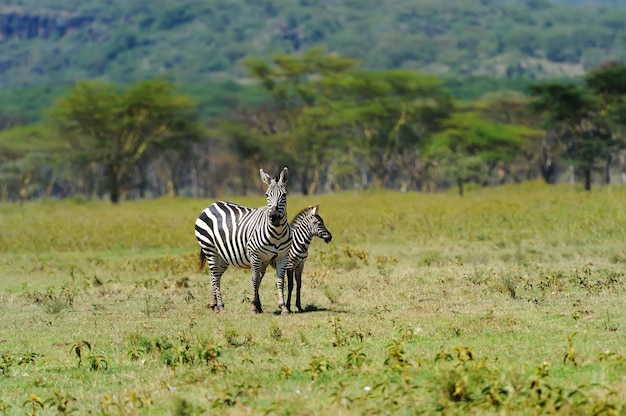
<point x="125" y="100"/>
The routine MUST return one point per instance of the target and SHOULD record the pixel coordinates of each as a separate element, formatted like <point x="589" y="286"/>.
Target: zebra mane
<point x="300" y="216"/>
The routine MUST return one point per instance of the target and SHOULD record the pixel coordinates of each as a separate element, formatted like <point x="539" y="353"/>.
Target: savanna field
<point x="510" y="300"/>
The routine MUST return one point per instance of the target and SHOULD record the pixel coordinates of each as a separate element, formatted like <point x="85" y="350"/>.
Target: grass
<point x="507" y="301"/>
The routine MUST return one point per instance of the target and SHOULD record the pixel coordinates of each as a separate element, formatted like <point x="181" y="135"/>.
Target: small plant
<point x="235" y="339"/>
<point x="396" y="356"/>
<point x="609" y="324"/>
<point x="570" y="354"/>
<point x="97" y="363"/>
<point x="285" y="372"/>
<point x="407" y="333"/>
<point x="231" y="396"/>
<point x="275" y="332"/>
<point x="210" y="354"/>
<point x="184" y="407"/>
<point x="356" y="254"/>
<point x="511" y="286"/>
<point x="4" y="407"/>
<point x="443" y="356"/>
<point x="62" y="403"/>
<point x="53" y="302"/>
<point x="611" y="356"/>
<point x="28" y="358"/>
<point x="6" y="362"/>
<point x="340" y="337"/>
<point x="34" y="404"/>
<point x="127" y="404"/>
<point x="339" y="396"/>
<point x="355" y="360"/>
<point x="318" y="365"/>
<point x="464" y="354"/>
<point x="386" y="265"/>
<point x="135" y="353"/>
<point x="78" y="348"/>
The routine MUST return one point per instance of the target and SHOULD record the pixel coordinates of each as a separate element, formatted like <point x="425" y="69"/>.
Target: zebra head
<point x="276" y="196"/>
<point x="318" y="229"/>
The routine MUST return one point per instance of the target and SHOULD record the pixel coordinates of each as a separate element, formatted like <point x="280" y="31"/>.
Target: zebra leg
<point x="289" y="287"/>
<point x="258" y="271"/>
<point x="218" y="267"/>
<point x="298" y="272"/>
<point x="281" y="267"/>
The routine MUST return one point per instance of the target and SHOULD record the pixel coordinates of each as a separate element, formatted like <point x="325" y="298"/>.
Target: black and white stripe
<point x="304" y="226"/>
<point x="233" y="235"/>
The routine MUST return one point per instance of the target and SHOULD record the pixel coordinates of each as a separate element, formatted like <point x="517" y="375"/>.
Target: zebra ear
<point x="267" y="179"/>
<point x="316" y="209"/>
<point x="283" y="176"/>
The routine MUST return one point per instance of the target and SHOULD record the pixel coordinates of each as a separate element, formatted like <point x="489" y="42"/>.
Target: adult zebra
<point x="233" y="235"/>
<point x="305" y="225"/>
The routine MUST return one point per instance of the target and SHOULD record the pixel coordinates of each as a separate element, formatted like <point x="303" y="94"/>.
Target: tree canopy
<point x="116" y="127"/>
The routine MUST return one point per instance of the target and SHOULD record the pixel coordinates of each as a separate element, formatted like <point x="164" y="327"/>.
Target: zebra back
<point x="235" y="232"/>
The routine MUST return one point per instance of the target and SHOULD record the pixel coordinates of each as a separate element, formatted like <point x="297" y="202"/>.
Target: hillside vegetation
<point x="45" y="42"/>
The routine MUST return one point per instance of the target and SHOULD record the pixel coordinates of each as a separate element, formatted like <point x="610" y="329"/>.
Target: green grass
<point x="507" y="301"/>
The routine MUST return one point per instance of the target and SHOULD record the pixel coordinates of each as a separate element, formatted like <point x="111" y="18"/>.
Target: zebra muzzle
<point x="274" y="216"/>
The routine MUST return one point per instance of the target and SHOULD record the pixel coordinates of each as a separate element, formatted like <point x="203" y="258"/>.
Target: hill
<point x="51" y="43"/>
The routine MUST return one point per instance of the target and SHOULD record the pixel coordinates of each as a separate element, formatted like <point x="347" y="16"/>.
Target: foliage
<point x="575" y="117"/>
<point x="468" y="142"/>
<point x="118" y="128"/>
<point x="337" y="126"/>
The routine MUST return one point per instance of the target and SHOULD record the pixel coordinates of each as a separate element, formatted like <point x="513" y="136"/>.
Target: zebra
<point x="233" y="235"/>
<point x="305" y="225"/>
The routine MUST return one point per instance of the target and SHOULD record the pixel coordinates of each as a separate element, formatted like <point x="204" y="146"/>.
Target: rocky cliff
<point x="16" y="23"/>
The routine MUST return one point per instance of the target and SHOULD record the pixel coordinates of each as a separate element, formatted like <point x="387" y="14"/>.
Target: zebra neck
<point x="281" y="225"/>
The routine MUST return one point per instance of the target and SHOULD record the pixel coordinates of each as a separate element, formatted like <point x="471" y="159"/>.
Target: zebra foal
<point x="304" y="226"/>
<point x="230" y="234"/>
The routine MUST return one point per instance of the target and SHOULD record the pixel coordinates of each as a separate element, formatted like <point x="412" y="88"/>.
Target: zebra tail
<point x="202" y="260"/>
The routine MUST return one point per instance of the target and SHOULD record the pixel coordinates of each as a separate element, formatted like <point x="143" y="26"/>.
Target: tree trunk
<point x="459" y="184"/>
<point x="114" y="185"/>
<point x="607" y="170"/>
<point x="304" y="183"/>
<point x="143" y="181"/>
<point x="572" y="172"/>
<point x="314" y="182"/>
<point x="243" y="174"/>
<point x="501" y="173"/>
<point x="587" y="173"/>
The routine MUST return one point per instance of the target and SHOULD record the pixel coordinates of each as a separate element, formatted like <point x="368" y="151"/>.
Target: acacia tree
<point x="116" y="126"/>
<point x="392" y="113"/>
<point x="572" y="113"/>
<point x="537" y="153"/>
<point x="301" y="129"/>
<point x="608" y="83"/>
<point x="469" y="143"/>
<point x="32" y="162"/>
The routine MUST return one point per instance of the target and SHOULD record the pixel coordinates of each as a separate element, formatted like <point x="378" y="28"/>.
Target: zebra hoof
<point x="284" y="311"/>
<point x="218" y="309"/>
